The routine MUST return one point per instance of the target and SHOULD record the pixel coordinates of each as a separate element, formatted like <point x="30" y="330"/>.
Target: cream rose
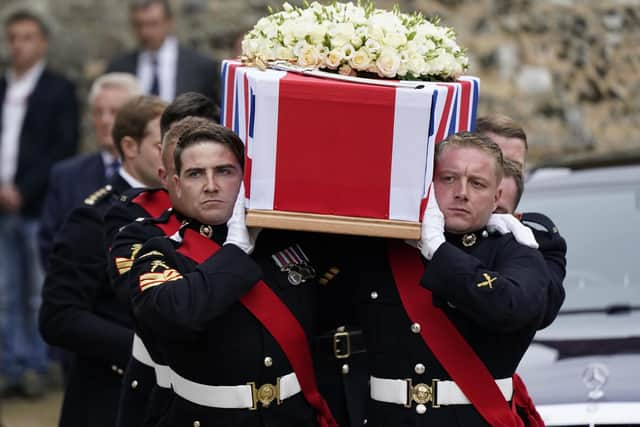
<point x="361" y="59"/>
<point x="388" y="63"/>
<point x="310" y="56"/>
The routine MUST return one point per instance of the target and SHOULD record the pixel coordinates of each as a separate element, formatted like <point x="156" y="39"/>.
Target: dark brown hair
<point x="133" y="117"/>
<point x="208" y="132"/>
<point x="503" y="126"/>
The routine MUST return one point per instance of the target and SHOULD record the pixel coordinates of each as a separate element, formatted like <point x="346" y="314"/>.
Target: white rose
<point x="249" y="47"/>
<point x="316" y="33"/>
<point x="416" y="64"/>
<point x="334" y="59"/>
<point x="373" y="46"/>
<point x="341" y="33"/>
<point x="266" y="52"/>
<point x="402" y="69"/>
<point x="284" y="52"/>
<point x="388" y="63"/>
<point x="361" y="59"/>
<point x="395" y="39"/>
<point x="299" y="46"/>
<point x="347" y="51"/>
<point x="310" y="57"/>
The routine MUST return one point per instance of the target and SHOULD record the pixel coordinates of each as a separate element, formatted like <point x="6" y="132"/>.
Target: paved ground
<point x="18" y="412"/>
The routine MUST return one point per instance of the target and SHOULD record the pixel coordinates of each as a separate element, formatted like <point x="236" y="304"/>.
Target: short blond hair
<point x="473" y="140"/>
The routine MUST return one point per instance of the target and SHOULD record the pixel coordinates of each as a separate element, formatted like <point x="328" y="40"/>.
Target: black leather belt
<point x="341" y="343"/>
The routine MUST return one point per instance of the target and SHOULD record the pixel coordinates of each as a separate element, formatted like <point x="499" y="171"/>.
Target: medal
<point x="295" y="263"/>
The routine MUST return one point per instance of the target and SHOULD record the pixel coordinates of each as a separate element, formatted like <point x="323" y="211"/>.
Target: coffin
<point x="337" y="156"/>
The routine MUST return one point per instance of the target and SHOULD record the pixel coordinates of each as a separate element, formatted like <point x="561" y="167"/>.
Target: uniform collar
<point x="467" y="240"/>
<point x="217" y="233"/>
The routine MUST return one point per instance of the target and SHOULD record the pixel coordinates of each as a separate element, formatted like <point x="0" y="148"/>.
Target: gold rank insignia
<point x="124" y="264"/>
<point x="97" y="195"/>
<point x="488" y="281"/>
<point x="329" y="275"/>
<point x="152" y="279"/>
<point x="152" y="253"/>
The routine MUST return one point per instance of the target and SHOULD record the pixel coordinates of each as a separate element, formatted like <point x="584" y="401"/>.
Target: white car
<point x="584" y="369"/>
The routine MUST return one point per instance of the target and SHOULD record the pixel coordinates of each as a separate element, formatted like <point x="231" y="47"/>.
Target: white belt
<point x="163" y="376"/>
<point x="141" y="354"/>
<point x="404" y="392"/>
<point x="235" y="397"/>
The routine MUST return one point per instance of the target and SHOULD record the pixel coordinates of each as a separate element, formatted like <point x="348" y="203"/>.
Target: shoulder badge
<point x="98" y="195"/>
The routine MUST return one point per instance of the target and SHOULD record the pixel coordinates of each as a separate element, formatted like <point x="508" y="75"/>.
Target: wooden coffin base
<point x="333" y="224"/>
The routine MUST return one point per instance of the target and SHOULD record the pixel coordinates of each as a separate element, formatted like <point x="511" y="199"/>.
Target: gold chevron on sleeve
<point x="152" y="279"/>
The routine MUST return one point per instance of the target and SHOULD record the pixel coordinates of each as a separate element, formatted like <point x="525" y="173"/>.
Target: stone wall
<point x="568" y="70"/>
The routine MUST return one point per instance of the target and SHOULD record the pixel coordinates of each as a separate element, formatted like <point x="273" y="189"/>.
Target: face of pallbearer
<point x="466" y="181"/>
<point x="208" y="181"/>
<point x="508" y="196"/>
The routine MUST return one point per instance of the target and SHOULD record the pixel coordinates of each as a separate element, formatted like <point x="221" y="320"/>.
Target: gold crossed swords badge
<point x="488" y="281"/>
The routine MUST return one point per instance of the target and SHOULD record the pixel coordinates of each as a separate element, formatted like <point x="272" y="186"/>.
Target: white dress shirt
<point x="14" y="108"/>
<point x="134" y="183"/>
<point x="167" y="60"/>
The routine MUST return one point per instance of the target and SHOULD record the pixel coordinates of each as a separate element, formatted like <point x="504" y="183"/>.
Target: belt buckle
<point x="265" y="394"/>
<point x="421" y="393"/>
<point x="339" y="337"/>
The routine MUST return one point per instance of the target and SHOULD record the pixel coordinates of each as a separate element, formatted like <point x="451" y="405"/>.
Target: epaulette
<point x="539" y="222"/>
<point x="98" y="195"/>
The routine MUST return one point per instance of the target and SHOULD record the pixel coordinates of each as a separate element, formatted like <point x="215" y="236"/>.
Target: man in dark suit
<point x="163" y="66"/>
<point x="39" y="126"/>
<point x="74" y="179"/>
<point x="80" y="311"/>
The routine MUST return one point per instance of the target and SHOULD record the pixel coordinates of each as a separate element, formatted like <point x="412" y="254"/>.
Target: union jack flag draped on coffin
<point x="330" y="147"/>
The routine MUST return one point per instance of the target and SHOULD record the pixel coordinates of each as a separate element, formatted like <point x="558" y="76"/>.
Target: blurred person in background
<point x="74" y="179"/>
<point x="80" y="311"/>
<point x="164" y="66"/>
<point x="39" y="126"/>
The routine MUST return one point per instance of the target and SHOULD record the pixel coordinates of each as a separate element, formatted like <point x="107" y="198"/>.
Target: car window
<point x="601" y="225"/>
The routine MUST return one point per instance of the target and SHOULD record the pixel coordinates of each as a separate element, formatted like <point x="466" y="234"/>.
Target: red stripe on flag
<point x="465" y="104"/>
<point x="334" y="147"/>
<point x="446" y="114"/>
<point x="231" y="94"/>
<point x="247" y="159"/>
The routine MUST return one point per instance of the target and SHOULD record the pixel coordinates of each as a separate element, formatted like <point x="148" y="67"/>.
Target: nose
<point x="211" y="185"/>
<point x="462" y="189"/>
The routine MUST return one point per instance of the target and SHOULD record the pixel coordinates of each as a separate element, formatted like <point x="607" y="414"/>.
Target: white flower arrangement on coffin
<point x="356" y="40"/>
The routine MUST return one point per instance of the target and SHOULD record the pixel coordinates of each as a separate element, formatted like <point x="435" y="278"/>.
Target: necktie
<point x="155" y="83"/>
<point x="111" y="168"/>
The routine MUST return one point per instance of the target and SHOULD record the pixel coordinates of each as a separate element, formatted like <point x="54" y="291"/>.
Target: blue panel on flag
<point x="252" y="112"/>
<point x="474" y="105"/>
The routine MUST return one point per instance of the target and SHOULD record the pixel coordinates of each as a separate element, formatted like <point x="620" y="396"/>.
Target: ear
<point x="130" y="147"/>
<point x="162" y="174"/>
<point x="496" y="199"/>
<point x="176" y="182"/>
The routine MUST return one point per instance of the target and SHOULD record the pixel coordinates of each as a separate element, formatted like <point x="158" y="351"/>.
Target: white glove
<point x="507" y="223"/>
<point x="237" y="232"/>
<point x="432" y="230"/>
